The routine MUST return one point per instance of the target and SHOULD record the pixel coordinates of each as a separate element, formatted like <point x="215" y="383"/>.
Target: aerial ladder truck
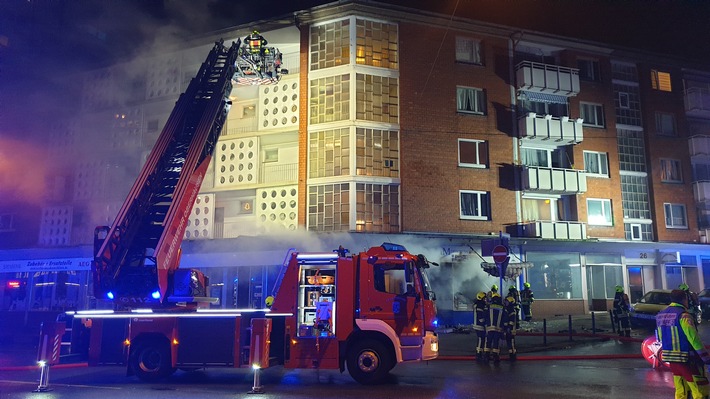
<point x="367" y="311"/>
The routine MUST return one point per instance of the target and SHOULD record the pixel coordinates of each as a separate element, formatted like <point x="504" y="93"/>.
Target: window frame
<point x="483" y="205"/>
<point x="599" y="117"/>
<point x="609" y="219"/>
<point x="592" y="70"/>
<point x="480" y="100"/>
<point x="599" y="156"/>
<point x="624" y="100"/>
<point x="481" y="151"/>
<point x="476" y="51"/>
<point x="659" y="115"/>
<point x="676" y="167"/>
<point x="659" y="81"/>
<point x="669" y="206"/>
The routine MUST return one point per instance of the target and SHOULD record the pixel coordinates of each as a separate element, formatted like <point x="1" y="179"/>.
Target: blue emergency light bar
<point x="317" y="258"/>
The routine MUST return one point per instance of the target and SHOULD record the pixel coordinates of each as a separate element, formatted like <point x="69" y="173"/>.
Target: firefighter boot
<point x="513" y="357"/>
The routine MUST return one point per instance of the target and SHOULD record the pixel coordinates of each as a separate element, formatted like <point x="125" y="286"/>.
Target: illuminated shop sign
<point x="45" y="265"/>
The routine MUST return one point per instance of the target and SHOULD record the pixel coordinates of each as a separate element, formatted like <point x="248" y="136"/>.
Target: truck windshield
<point x="424" y="277"/>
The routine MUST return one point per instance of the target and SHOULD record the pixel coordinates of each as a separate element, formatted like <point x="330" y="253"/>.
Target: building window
<point x="599" y="212"/>
<point x="470" y="100"/>
<point x="377" y="208"/>
<point x="635" y="199"/>
<point x="468" y="50"/>
<point x="675" y="216"/>
<point x="624" y="100"/>
<point x="330" y="99"/>
<point x="589" y="70"/>
<point x="638" y="231"/>
<point x="473" y="153"/>
<point x="377" y="98"/>
<point x="474" y="205"/>
<point x="330" y="45"/>
<point x="593" y="114"/>
<point x="635" y="232"/>
<point x="376" y="44"/>
<point x="631" y="147"/>
<point x="660" y="80"/>
<point x="556" y="109"/>
<point x="329" y="153"/>
<point x="671" y="171"/>
<point x="665" y="124"/>
<point x="596" y="163"/>
<point x="376" y="152"/>
<point x="329" y="207"/>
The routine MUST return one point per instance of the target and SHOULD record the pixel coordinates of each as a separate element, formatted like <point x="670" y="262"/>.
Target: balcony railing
<point x="551" y="230"/>
<point x="701" y="191"/>
<point x="236" y="127"/>
<point x="699" y="147"/>
<point x="279" y="173"/>
<point x="697" y="101"/>
<point x="546" y="78"/>
<point x="549" y="130"/>
<point x="554" y="180"/>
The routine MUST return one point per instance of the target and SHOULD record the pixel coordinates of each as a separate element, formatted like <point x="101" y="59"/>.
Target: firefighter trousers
<point x="690" y="379"/>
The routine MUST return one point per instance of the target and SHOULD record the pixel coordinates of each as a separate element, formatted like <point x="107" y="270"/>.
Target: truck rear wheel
<point x="151" y="360"/>
<point x="369" y="361"/>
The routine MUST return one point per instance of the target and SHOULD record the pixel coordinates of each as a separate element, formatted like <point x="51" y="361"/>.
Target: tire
<point x="369" y="361"/>
<point x="151" y="361"/>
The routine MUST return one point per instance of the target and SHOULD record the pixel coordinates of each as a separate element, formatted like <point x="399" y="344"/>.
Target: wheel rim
<point x="150" y="360"/>
<point x="368" y="361"/>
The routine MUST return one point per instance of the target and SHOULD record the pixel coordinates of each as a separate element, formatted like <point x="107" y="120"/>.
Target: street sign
<point x="500" y="253"/>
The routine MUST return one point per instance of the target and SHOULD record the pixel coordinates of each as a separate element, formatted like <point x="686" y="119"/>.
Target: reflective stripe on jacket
<point x="677" y="334"/>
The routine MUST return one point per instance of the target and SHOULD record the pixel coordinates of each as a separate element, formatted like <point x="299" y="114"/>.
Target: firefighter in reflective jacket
<point x="511" y="311"/>
<point x="515" y="294"/>
<point x="621" y="312"/>
<point x="494" y="329"/>
<point x="682" y="348"/>
<point x="480" y="320"/>
<point x="526" y="299"/>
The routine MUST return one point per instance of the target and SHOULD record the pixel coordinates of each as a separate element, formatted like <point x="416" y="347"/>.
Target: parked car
<point x="643" y="313"/>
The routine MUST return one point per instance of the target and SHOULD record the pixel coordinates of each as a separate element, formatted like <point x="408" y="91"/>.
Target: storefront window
<point x="604" y="273"/>
<point x="555" y="275"/>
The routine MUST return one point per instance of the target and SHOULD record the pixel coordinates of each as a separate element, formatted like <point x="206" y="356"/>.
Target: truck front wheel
<point x="151" y="360"/>
<point x="369" y="361"/>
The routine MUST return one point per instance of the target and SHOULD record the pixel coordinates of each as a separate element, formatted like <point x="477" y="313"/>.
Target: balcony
<point x="697" y="102"/>
<point x="554" y="180"/>
<point x="550" y="131"/>
<point x="699" y="147"/>
<point x="546" y="78"/>
<point x="701" y="191"/>
<point x="550" y="230"/>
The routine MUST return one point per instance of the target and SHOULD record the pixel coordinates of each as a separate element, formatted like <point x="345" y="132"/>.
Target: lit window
<point x="596" y="164"/>
<point x="665" y="124"/>
<point x="593" y="114"/>
<point x="473" y="153"/>
<point x="468" y="50"/>
<point x="474" y="205"/>
<point x="599" y="212"/>
<point x="660" y="80"/>
<point x="671" y="171"/>
<point x="470" y="100"/>
<point x="675" y="216"/>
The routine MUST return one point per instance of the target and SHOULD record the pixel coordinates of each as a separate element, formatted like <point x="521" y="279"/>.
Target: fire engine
<point x="365" y="312"/>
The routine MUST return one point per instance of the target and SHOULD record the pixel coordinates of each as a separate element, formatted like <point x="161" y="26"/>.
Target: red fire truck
<point x="367" y="311"/>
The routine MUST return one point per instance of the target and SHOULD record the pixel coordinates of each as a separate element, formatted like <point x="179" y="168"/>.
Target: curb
<point x="56" y="366"/>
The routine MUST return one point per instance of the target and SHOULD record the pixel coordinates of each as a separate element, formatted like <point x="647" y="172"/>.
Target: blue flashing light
<point x="436" y="322"/>
<point x="109" y="295"/>
<point x="155" y="295"/>
<point x="388" y="246"/>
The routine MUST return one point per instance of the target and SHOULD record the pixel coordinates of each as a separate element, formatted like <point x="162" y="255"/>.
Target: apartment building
<point x="447" y="135"/>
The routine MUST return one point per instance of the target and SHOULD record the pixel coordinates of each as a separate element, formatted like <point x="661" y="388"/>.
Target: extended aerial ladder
<point x="136" y="259"/>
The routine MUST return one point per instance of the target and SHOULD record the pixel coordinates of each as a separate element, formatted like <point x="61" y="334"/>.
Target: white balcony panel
<point x="556" y="230"/>
<point x="554" y="180"/>
<point x="701" y="191"/>
<point x="550" y="131"/>
<point x="547" y="78"/>
<point x="699" y="147"/>
<point x="697" y="102"/>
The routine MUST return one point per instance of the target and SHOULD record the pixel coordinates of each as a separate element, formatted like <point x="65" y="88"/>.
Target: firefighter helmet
<point x="527" y="285"/>
<point x="481" y="295"/>
<point x="494" y="288"/>
<point x="683" y="287"/>
<point x="512" y="288"/>
<point x="619" y="288"/>
<point x="269" y="301"/>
